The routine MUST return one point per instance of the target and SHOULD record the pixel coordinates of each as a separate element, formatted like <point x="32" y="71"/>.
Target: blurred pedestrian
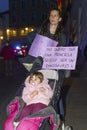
<point x="7" y="53"/>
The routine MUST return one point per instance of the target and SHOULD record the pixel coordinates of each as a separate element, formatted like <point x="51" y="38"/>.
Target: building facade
<point x="29" y="12"/>
<point x="4" y="24"/>
<point x="26" y="15"/>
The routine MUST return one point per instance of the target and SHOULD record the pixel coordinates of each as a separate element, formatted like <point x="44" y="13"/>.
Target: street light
<point x="8" y="33"/>
<point x="1" y="38"/>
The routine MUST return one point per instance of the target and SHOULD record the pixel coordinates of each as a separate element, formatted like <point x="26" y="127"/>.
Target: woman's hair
<point x="37" y="74"/>
<point x="59" y="30"/>
<point x="56" y="9"/>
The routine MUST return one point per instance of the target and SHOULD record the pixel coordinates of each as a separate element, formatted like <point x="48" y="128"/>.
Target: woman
<point x="53" y="29"/>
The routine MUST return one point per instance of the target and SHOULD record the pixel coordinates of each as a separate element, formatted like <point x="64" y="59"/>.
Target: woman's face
<point x="54" y="17"/>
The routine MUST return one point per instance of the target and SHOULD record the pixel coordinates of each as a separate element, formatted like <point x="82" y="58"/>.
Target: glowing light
<point x="32" y="29"/>
<point x="14" y="33"/>
<point x="18" y="47"/>
<point x="26" y="28"/>
<point x="1" y="37"/>
<point x="8" y="30"/>
<point x="15" y="51"/>
<point x="23" y="51"/>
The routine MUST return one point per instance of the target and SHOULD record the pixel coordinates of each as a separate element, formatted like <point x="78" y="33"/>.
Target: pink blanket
<point x="26" y="123"/>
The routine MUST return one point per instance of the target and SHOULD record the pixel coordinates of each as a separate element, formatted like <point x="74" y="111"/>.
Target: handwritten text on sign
<point x="60" y="58"/>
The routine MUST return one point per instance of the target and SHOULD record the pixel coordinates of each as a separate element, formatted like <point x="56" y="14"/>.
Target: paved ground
<point x="74" y="93"/>
<point x="76" y="98"/>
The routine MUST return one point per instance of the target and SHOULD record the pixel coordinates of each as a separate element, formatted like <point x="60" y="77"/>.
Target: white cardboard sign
<point x="60" y="58"/>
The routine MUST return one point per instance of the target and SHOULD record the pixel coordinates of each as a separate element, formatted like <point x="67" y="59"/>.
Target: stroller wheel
<point x="67" y="128"/>
<point x="61" y="127"/>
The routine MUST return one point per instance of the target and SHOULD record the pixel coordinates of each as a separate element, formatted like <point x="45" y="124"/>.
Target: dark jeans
<point x="61" y="107"/>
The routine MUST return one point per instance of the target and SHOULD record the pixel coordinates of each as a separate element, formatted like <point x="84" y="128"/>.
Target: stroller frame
<point x="58" y="77"/>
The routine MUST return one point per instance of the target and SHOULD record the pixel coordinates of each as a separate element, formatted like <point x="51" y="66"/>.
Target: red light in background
<point x="15" y="51"/>
<point x="23" y="51"/>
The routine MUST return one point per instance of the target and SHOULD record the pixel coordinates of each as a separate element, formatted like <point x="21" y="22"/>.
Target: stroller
<point x="47" y="118"/>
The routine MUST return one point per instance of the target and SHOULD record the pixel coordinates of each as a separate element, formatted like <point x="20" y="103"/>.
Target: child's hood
<point x="45" y="81"/>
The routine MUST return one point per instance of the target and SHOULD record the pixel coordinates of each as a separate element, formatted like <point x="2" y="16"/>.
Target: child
<point x="36" y="94"/>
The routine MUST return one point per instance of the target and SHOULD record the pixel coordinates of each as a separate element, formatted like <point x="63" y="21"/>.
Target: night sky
<point x="4" y="5"/>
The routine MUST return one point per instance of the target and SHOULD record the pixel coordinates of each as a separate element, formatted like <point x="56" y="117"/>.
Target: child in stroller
<point x="45" y="119"/>
<point x="36" y="94"/>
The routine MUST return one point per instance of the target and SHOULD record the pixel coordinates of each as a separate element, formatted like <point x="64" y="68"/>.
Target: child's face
<point x="35" y="80"/>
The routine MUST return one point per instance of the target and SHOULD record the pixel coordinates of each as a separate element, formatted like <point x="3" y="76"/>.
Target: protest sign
<point x="60" y="58"/>
<point x="40" y="44"/>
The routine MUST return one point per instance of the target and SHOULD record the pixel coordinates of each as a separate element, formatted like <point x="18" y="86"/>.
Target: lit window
<point x="1" y="32"/>
<point x="22" y="33"/>
<point x="14" y="33"/>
